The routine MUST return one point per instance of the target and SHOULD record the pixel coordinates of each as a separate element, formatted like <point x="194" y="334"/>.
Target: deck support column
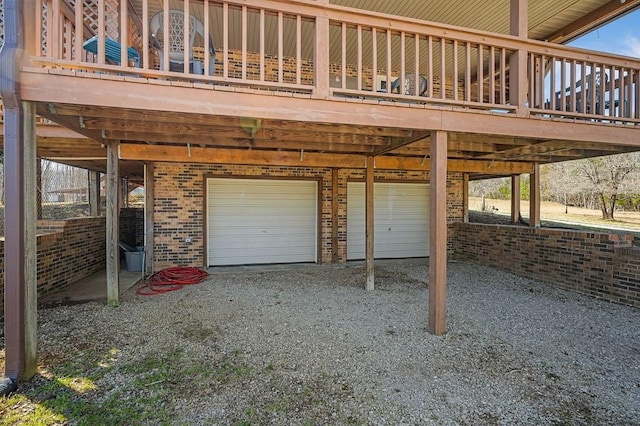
<point x="515" y="198"/>
<point x="113" y="225"/>
<point x="438" y="233"/>
<point x="465" y="197"/>
<point x="335" y="207"/>
<point x="20" y="246"/>
<point x="94" y="193"/>
<point x="38" y="189"/>
<point x="519" y="19"/>
<point x="534" y="197"/>
<point x="148" y="215"/>
<point x="369" y="228"/>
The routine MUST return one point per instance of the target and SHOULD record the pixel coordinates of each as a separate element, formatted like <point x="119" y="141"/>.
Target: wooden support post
<point x="369" y="229"/>
<point x="519" y="18"/>
<point x="335" y="255"/>
<point x="38" y="189"/>
<point x="534" y="197"/>
<point x="322" y="55"/>
<point x="20" y="248"/>
<point x="20" y="300"/>
<point x="30" y="240"/>
<point x="148" y="215"/>
<point x="113" y="225"/>
<point x="94" y="193"/>
<point x="515" y="198"/>
<point x="465" y="197"/>
<point x="438" y="233"/>
<point x="125" y="193"/>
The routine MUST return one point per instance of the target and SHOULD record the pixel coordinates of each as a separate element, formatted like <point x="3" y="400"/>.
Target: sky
<point x="621" y="37"/>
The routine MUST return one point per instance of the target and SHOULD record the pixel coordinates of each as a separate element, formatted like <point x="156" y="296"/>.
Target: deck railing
<point x="329" y="52"/>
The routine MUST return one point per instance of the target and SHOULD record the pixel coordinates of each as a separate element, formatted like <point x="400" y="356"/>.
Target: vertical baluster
<point x="79" y="29"/>
<point x="467" y="71"/>
<point x="145" y="34"/>
<point x="532" y="83"/>
<point x="225" y="40"/>
<point x="443" y="68"/>
<point x="68" y="40"/>
<point x="207" y="47"/>
<point x="402" y="65"/>
<point x="374" y="59"/>
<point x="165" y="35"/>
<point x="480" y="73"/>
<point x="553" y="84"/>
<point x="572" y="85"/>
<point x="430" y="66"/>
<point x="583" y="87"/>
<point x="541" y="77"/>
<point x="503" y="76"/>
<point x="454" y="74"/>
<point x="388" y="53"/>
<point x="262" y="38"/>
<point x="124" y="33"/>
<point x="416" y="62"/>
<point x="343" y="56"/>
<point x="101" y="32"/>
<point x="593" y="89"/>
<point x="53" y="28"/>
<point x="492" y="75"/>
<point x="563" y="85"/>
<point x="360" y="58"/>
<point x="612" y="91"/>
<point x="298" y="49"/>
<point x="280" y="46"/>
<point x="245" y="29"/>
<point x="636" y="94"/>
<point x="604" y="79"/>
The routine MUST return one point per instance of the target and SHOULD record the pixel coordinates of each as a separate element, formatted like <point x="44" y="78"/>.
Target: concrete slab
<point x="90" y="289"/>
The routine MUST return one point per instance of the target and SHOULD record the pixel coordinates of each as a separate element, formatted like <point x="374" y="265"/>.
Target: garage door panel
<point x="401" y="220"/>
<point x="254" y="221"/>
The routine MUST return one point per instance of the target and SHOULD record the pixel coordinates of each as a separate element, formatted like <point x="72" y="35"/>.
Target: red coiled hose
<point x="171" y="279"/>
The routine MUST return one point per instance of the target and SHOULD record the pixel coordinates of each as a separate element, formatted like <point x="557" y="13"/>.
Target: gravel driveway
<point x="307" y="345"/>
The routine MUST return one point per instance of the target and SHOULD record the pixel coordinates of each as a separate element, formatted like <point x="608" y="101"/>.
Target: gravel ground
<point x="307" y="345"/>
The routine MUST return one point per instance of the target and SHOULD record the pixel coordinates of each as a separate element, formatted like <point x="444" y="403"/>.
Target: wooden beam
<point x="396" y="143"/>
<point x="369" y="226"/>
<point x="534" y="197"/>
<point x="113" y="225"/>
<point x="601" y="15"/>
<point x="149" y="190"/>
<point x="183" y="154"/>
<point x="153" y="98"/>
<point x="515" y="198"/>
<point x="438" y="233"/>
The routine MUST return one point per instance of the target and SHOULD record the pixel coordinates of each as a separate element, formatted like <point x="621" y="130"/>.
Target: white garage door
<point x="261" y="221"/>
<point x="401" y="220"/>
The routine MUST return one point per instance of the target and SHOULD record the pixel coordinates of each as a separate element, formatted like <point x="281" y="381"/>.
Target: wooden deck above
<point x="307" y="83"/>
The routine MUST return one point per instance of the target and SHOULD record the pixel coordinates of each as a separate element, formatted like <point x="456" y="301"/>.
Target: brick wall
<point x="180" y="197"/>
<point x="606" y="266"/>
<point x="132" y="226"/>
<point x="70" y="250"/>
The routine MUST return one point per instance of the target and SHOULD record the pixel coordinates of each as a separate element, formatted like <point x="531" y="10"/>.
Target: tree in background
<point x="561" y="182"/>
<point x="611" y="177"/>
<point x="486" y="188"/>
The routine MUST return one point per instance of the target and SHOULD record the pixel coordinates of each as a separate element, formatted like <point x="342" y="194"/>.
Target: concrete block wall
<point x="606" y="266"/>
<point x="180" y="196"/>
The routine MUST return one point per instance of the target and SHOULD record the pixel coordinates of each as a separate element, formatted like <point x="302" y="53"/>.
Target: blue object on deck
<point x="111" y="50"/>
